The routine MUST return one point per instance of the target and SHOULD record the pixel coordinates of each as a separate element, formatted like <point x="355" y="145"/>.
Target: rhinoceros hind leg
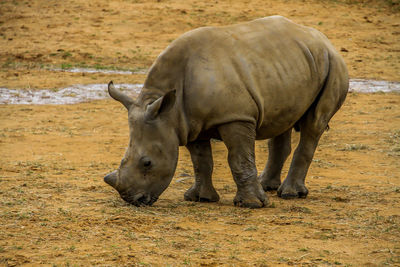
<point x="293" y="186"/>
<point x="279" y="149"/>
<point x="202" y="190"/>
<point x="312" y="125"/>
<point x="239" y="138"/>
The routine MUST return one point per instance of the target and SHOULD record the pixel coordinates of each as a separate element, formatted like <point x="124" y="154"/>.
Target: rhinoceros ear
<point x="161" y="105"/>
<point x="119" y="96"/>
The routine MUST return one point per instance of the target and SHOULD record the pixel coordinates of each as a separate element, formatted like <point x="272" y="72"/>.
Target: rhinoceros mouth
<point x="139" y="199"/>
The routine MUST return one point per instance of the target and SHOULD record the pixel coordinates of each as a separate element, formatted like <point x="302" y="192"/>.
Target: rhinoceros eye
<point x="146" y="163"/>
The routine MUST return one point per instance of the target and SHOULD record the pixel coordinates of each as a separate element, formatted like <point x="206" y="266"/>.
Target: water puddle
<point x="69" y="95"/>
<point x="373" y="86"/>
<point x="84" y="93"/>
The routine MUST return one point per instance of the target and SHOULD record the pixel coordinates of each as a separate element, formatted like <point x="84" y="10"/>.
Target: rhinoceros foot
<point x="290" y="190"/>
<point x="251" y="197"/>
<point x="201" y="194"/>
<point x="270" y="184"/>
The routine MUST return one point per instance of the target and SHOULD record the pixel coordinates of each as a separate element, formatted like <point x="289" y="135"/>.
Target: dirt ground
<point x="56" y="209"/>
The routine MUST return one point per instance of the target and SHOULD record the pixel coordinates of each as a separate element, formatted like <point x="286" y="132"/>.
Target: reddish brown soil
<point x="129" y="34"/>
<point x="56" y="209"/>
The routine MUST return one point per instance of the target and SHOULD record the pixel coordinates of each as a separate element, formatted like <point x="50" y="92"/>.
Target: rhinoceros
<point x="240" y="83"/>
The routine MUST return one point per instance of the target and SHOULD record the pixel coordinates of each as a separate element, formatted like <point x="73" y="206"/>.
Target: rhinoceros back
<point x="268" y="71"/>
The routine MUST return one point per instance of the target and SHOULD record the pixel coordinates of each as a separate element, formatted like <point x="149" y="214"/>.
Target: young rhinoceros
<point x="240" y="83"/>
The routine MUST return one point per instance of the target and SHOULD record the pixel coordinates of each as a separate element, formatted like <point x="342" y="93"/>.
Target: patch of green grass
<point x="64" y="212"/>
<point x="298" y="209"/>
<point x="24" y="215"/>
<point x="65" y="66"/>
<point x="283" y="259"/>
<point x="97" y="66"/>
<point x="186" y="261"/>
<point x="341" y="199"/>
<point x="139" y="54"/>
<point x="251" y="228"/>
<point x="325" y="235"/>
<point x="394" y="5"/>
<point x="66" y="55"/>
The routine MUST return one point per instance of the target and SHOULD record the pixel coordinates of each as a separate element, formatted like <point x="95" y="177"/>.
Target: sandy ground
<point x="129" y="34"/>
<point x="56" y="209"/>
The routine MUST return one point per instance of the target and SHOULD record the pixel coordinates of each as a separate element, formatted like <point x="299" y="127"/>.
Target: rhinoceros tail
<point x="296" y="127"/>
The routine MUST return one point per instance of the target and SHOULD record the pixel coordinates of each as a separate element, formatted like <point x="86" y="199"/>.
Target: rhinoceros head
<point x="151" y="157"/>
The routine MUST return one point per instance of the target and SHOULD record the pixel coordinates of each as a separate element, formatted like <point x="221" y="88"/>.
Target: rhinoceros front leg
<point x="239" y="138"/>
<point x="279" y="149"/>
<point x="203" y="189"/>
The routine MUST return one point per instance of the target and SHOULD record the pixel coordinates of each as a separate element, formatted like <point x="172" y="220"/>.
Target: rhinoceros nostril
<point x="137" y="197"/>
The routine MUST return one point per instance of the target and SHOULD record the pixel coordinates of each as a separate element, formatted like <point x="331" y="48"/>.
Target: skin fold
<point x="240" y="83"/>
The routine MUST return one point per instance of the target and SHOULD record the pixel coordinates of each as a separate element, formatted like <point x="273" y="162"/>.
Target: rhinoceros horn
<point x="111" y="178"/>
<point x="119" y="96"/>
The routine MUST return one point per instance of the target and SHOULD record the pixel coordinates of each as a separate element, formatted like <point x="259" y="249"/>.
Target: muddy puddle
<point x="84" y="93"/>
<point x="69" y="95"/>
<point x="373" y="86"/>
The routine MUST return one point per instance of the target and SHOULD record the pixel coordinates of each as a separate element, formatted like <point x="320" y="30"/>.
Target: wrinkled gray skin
<point x="239" y="83"/>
